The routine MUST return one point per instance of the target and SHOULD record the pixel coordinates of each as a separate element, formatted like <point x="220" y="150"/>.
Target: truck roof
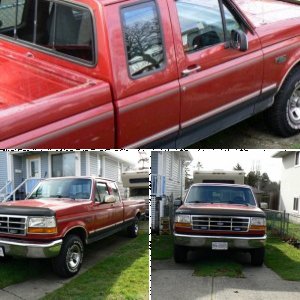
<point x="222" y="184"/>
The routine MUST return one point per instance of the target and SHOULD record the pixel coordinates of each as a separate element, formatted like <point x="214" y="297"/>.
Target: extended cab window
<point x="60" y="27"/>
<point x="143" y="38"/>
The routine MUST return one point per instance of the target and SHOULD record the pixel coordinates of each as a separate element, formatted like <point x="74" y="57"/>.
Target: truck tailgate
<point x="37" y="93"/>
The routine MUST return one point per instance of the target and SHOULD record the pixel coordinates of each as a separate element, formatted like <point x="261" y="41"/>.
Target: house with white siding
<point x="167" y="181"/>
<point x="290" y="181"/>
<point x="167" y="172"/>
<point x="20" y="171"/>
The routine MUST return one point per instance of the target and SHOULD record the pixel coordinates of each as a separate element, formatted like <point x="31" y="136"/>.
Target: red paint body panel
<point x="50" y="101"/>
<point x="86" y="214"/>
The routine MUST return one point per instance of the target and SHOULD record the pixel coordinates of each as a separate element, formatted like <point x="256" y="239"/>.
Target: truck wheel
<point x="284" y="116"/>
<point x="69" y="260"/>
<point x="180" y="254"/>
<point x="257" y="256"/>
<point x="133" y="229"/>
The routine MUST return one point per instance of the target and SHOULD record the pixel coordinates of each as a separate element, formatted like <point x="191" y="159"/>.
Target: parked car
<point x="220" y="217"/>
<point x="61" y="216"/>
<point x="151" y="74"/>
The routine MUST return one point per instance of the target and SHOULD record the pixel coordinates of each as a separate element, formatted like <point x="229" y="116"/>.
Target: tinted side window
<point x="64" y="28"/>
<point x="143" y="38"/>
<point x="201" y="23"/>
<point x="10" y="12"/>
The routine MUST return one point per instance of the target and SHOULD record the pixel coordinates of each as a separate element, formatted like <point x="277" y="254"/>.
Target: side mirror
<point x="109" y="199"/>
<point x="239" y="40"/>
<point x="264" y="205"/>
<point x="177" y="202"/>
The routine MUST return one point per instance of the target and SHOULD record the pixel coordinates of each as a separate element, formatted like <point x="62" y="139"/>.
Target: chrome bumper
<point x="33" y="249"/>
<point x="206" y="241"/>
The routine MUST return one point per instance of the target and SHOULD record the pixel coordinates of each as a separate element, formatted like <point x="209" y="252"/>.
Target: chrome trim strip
<point x="221" y="237"/>
<point x="102" y="228"/>
<point x="269" y="88"/>
<point x="220" y="109"/>
<point x="35" y="245"/>
<point x="153" y="137"/>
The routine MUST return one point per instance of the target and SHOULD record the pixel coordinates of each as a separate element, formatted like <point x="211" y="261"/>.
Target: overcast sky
<point x="248" y="159"/>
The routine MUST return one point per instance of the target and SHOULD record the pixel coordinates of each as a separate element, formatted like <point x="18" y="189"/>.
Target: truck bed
<point x="56" y="92"/>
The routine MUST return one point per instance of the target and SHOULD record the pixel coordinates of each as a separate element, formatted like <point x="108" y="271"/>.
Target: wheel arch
<point x="78" y="230"/>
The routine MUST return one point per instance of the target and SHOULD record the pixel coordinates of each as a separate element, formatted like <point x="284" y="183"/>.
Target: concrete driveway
<point x="250" y="134"/>
<point x="176" y="281"/>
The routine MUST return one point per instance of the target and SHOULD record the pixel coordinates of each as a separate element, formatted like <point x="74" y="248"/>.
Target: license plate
<point x="1" y="252"/>
<point x="219" y="246"/>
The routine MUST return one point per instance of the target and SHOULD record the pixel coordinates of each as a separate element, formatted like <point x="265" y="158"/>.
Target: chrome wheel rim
<point x="74" y="257"/>
<point x="136" y="228"/>
<point x="294" y="107"/>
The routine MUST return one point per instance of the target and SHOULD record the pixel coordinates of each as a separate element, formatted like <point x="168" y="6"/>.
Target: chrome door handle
<point x="190" y="70"/>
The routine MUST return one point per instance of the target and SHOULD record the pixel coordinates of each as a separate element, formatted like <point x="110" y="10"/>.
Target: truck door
<point x="103" y="212"/>
<point x="146" y="88"/>
<point x="118" y="211"/>
<point x="219" y="85"/>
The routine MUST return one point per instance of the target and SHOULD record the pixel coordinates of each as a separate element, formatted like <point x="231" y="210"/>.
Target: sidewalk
<point x="173" y="281"/>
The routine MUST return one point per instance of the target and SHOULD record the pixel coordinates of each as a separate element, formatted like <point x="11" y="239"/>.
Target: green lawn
<point x="122" y="275"/>
<point x="283" y="258"/>
<point x="161" y="246"/>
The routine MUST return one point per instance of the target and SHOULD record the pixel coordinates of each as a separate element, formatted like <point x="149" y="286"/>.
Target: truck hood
<point x="220" y="209"/>
<point x="40" y="207"/>
<point x="262" y="12"/>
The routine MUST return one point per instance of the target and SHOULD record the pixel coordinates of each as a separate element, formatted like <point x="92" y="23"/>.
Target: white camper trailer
<point x="137" y="182"/>
<point x="219" y="176"/>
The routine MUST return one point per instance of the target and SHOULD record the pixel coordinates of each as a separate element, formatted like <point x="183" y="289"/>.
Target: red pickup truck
<point x="220" y="217"/>
<point x="153" y="73"/>
<point x="61" y="216"/>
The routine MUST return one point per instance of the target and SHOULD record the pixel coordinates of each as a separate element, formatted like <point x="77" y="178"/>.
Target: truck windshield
<point x="63" y="188"/>
<point x="221" y="194"/>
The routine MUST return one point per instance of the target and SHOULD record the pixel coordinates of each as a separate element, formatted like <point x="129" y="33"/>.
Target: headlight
<point x="41" y="225"/>
<point x="258" y="221"/>
<point x="258" y="224"/>
<point x="182" y="219"/>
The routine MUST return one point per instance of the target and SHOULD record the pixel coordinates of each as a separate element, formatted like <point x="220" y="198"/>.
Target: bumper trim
<point x="30" y="249"/>
<point x="234" y="242"/>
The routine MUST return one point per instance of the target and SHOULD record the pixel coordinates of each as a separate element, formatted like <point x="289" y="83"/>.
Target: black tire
<point x="279" y="116"/>
<point x="133" y="229"/>
<point x="180" y="254"/>
<point x="257" y="256"/>
<point x="64" y="265"/>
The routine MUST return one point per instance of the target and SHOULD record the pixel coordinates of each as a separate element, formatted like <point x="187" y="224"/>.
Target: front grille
<point x="220" y="223"/>
<point x="13" y="224"/>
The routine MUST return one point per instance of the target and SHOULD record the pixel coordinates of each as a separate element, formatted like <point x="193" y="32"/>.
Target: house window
<point x="63" y="164"/>
<point x="297" y="162"/>
<point x="296" y="204"/>
<point x="99" y="166"/>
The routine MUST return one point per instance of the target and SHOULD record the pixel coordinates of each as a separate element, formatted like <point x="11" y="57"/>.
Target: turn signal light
<point x="41" y="230"/>
<point x="258" y="227"/>
<point x="186" y="225"/>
